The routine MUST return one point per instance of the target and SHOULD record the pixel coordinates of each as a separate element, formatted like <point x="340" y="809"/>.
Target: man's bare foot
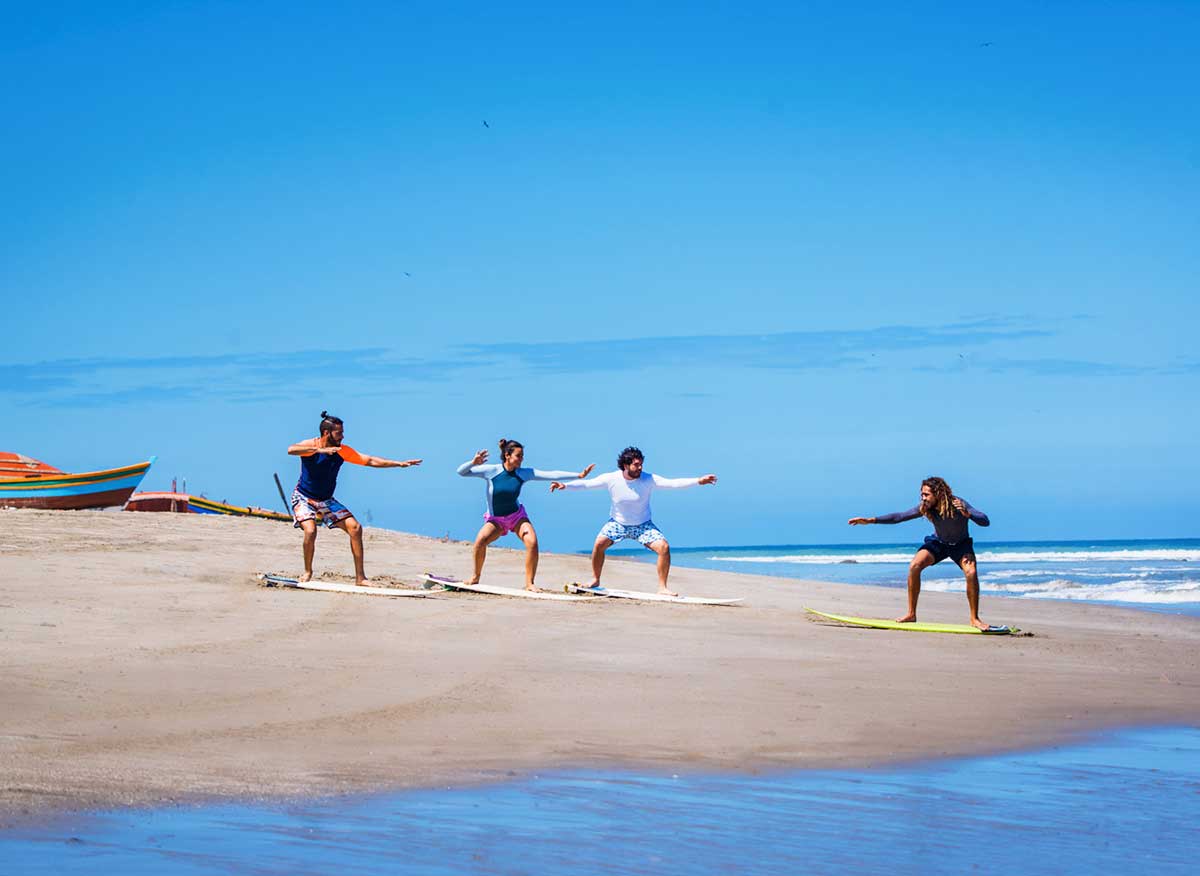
<point x="531" y="587"/>
<point x="979" y="625"/>
<point x="907" y="619"/>
<point x="363" y="582"/>
<point x="306" y="577"/>
<point x="663" y="591"/>
<point x="471" y="582"/>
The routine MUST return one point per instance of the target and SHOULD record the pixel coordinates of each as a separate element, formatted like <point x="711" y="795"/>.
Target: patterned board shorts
<point x="331" y="512"/>
<point x="646" y="533"/>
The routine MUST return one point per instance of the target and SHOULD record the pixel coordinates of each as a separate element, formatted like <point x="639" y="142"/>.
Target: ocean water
<point x="1158" y="575"/>
<point x="1128" y="803"/>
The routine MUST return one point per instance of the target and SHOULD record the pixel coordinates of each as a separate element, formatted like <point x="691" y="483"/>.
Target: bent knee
<point x="353" y="526"/>
<point x="660" y="547"/>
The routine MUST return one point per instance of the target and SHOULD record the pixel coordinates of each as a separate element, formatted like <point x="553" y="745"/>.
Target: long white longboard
<point x="522" y="593"/>
<point x="650" y="597"/>
<point x="334" y="587"/>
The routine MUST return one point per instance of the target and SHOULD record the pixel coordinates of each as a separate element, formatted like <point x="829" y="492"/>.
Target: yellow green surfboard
<point x="878" y="624"/>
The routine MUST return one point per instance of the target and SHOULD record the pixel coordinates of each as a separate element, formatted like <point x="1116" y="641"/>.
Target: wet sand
<point x="142" y="663"/>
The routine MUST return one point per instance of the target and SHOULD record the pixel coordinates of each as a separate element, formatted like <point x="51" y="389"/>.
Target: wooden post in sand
<point x="282" y="497"/>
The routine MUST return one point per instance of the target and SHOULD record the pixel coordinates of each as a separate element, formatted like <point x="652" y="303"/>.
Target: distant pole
<point x="282" y="498"/>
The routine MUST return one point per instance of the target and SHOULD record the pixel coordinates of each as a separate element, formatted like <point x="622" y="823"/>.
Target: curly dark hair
<point x="628" y="455"/>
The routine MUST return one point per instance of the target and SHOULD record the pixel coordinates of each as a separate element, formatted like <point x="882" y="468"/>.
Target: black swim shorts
<point x="958" y="551"/>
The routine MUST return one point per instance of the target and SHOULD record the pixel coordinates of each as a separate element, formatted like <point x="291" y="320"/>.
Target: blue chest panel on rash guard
<point x="318" y="475"/>
<point x="506" y="493"/>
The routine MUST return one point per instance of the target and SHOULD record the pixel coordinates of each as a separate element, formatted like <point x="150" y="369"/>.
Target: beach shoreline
<point x="145" y="666"/>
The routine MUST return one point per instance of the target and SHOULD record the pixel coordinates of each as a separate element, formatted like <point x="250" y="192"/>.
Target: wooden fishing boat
<point x="165" y="500"/>
<point x="185" y="503"/>
<point x="28" y="483"/>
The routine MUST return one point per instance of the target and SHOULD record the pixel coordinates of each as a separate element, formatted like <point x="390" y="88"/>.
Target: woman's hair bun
<point x="324" y="414"/>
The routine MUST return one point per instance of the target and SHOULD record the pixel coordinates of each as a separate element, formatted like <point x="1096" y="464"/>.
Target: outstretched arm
<point x="537" y="474"/>
<point x="581" y="484"/>
<point x="475" y="468"/>
<point x="682" y="483"/>
<point x="349" y="454"/>
<point x="895" y="517"/>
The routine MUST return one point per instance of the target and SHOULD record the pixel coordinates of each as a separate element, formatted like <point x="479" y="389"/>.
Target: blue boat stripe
<point x="75" y="490"/>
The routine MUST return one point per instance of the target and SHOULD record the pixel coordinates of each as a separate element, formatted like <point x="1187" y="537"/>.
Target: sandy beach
<point x="143" y="663"/>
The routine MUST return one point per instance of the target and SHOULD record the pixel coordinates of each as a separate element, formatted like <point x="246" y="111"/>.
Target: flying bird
<point x="485" y="124"/>
<point x="985" y="45"/>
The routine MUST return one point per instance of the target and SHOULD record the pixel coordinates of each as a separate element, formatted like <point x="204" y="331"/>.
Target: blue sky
<point x="823" y="250"/>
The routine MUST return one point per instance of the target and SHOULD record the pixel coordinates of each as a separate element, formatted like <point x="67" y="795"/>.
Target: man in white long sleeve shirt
<point x="629" y="488"/>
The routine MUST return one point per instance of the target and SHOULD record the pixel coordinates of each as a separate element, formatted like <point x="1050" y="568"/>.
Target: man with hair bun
<point x="629" y="517"/>
<point x="951" y="538"/>
<point x="504" y="512"/>
<point x="312" y="499"/>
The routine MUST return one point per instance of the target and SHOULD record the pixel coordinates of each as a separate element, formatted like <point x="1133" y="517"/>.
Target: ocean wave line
<point x="1179" y="556"/>
<point x="1155" y="573"/>
<point x="1176" y="592"/>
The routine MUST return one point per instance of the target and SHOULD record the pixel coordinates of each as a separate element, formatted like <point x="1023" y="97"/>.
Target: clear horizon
<point x="911" y="543"/>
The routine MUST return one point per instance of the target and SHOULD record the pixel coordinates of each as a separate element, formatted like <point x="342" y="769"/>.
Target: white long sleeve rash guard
<point x="631" y="499"/>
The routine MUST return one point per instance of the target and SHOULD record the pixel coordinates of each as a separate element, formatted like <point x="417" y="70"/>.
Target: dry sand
<point x="142" y="663"/>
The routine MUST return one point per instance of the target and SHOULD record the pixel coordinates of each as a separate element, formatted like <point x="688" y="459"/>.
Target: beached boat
<point x="29" y="483"/>
<point x="185" y="503"/>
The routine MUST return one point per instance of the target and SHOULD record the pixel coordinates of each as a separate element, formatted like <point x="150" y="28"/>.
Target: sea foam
<point x="1044" y="556"/>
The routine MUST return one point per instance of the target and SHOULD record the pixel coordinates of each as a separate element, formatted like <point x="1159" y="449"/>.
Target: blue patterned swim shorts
<point x="646" y="533"/>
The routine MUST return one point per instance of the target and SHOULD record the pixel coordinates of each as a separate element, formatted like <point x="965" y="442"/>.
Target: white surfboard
<point x="334" y="587"/>
<point x="521" y="592"/>
<point x="650" y="597"/>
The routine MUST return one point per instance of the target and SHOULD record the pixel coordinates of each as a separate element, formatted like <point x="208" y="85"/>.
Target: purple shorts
<point x="508" y="522"/>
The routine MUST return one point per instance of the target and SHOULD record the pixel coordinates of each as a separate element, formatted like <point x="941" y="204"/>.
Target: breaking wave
<point x="984" y="556"/>
<point x="1133" y="590"/>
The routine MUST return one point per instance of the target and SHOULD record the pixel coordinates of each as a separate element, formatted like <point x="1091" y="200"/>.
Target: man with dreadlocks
<point x="313" y="501"/>
<point x="949" y="515"/>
